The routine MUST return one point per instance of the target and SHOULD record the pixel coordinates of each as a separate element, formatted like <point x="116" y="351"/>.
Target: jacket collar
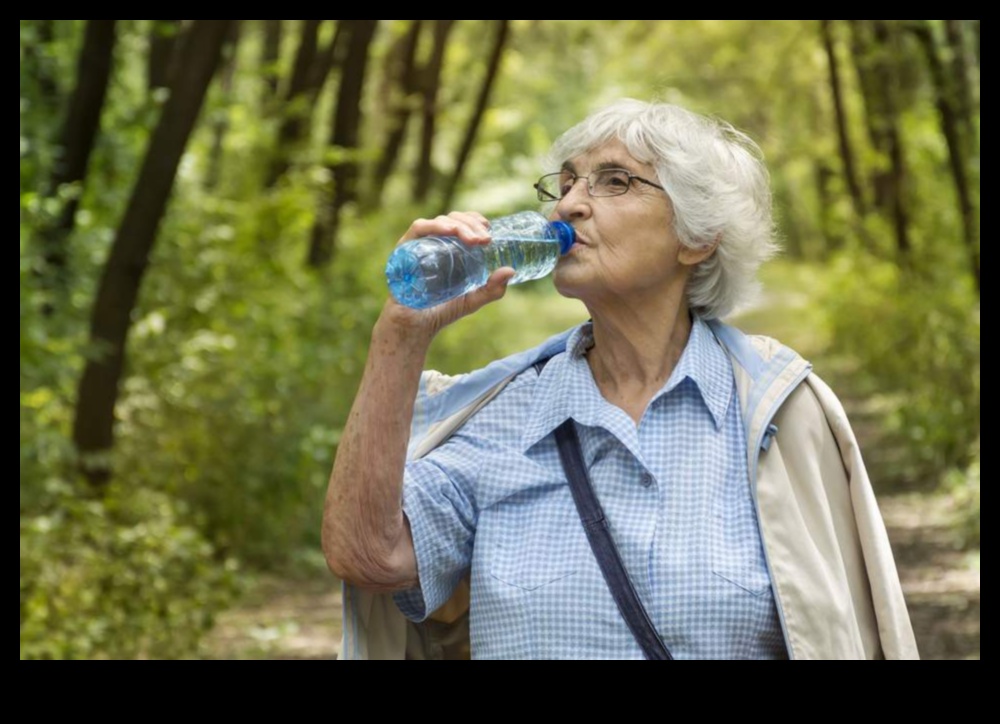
<point x="766" y="373"/>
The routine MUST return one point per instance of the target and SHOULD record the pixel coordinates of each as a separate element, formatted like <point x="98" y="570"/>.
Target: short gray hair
<point x="716" y="179"/>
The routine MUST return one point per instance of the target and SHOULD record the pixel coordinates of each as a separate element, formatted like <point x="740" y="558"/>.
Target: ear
<point x="694" y="257"/>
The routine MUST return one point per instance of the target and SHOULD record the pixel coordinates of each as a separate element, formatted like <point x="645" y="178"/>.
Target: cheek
<point x="648" y="263"/>
<point x="635" y="256"/>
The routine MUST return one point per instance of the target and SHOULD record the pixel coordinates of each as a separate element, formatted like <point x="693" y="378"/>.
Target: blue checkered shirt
<point x="493" y="499"/>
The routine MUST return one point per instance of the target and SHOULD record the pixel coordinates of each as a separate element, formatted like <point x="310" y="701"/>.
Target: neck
<point x="636" y="347"/>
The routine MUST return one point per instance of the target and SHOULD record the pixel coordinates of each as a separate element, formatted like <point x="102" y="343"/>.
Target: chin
<point x="562" y="283"/>
<point x="566" y="293"/>
<point x="567" y="288"/>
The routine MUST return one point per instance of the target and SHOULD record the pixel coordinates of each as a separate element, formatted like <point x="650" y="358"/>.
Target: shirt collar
<point x="580" y="340"/>
<point x="557" y="393"/>
<point x="707" y="365"/>
<point x="558" y="390"/>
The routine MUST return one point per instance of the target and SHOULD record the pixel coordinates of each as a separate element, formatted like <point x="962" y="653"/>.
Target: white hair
<point x="716" y="179"/>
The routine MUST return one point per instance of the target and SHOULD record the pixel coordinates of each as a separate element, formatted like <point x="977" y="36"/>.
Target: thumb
<point x="494" y="289"/>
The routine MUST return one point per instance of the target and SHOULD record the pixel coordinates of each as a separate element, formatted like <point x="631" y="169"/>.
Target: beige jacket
<point x="835" y="581"/>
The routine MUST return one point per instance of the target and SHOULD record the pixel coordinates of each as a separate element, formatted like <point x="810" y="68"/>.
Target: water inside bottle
<point x="530" y="258"/>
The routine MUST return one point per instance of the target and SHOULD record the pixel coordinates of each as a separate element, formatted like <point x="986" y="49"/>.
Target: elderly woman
<point x="739" y="520"/>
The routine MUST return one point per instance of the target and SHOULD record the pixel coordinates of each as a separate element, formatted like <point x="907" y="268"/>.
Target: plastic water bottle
<point x="431" y="270"/>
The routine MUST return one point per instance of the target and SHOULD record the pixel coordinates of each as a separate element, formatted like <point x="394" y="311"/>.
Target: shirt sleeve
<point x="439" y="503"/>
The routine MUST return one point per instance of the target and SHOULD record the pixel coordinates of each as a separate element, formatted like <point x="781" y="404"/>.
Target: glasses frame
<point x="544" y="195"/>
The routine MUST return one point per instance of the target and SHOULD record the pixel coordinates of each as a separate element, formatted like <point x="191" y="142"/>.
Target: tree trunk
<point x="93" y="426"/>
<point x="163" y="36"/>
<point x="863" y="53"/>
<point x="960" y="76"/>
<point x="469" y="140"/>
<point x="304" y="59"/>
<point x="897" y="179"/>
<point x="344" y="135"/>
<point x="269" y="60"/>
<point x="296" y="106"/>
<point x="872" y="52"/>
<point x="843" y="135"/>
<point x="948" y="103"/>
<point x="76" y="142"/>
<point x="220" y="123"/>
<point x="307" y="84"/>
<point x="831" y="234"/>
<point x="327" y="60"/>
<point x="975" y="33"/>
<point x="400" y="110"/>
<point x="431" y="82"/>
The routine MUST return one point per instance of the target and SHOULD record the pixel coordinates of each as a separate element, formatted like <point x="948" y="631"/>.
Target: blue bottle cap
<point x="565" y="234"/>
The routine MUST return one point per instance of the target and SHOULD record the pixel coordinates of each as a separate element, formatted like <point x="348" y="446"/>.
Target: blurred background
<point x="206" y="208"/>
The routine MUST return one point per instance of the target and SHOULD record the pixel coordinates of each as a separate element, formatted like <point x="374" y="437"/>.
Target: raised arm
<point x="366" y="538"/>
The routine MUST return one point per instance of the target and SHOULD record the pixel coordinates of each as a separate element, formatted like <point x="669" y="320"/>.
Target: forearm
<point x="366" y="539"/>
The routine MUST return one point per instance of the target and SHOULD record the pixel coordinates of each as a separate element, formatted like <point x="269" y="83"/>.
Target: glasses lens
<point x="565" y="180"/>
<point x="549" y="187"/>
<point x="609" y="182"/>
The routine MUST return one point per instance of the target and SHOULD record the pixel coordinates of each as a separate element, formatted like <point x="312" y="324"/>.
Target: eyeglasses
<point x="605" y="182"/>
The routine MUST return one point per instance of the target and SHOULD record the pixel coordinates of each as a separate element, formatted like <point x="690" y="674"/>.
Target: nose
<point x="576" y="203"/>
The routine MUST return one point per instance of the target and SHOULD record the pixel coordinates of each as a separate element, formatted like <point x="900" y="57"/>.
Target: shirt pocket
<point x="533" y="541"/>
<point x="750" y="579"/>
<point x="737" y="552"/>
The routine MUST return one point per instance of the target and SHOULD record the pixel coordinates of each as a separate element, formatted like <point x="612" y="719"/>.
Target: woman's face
<point x="626" y="247"/>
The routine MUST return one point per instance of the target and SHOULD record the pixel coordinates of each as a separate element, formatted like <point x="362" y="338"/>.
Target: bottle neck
<point x="565" y="234"/>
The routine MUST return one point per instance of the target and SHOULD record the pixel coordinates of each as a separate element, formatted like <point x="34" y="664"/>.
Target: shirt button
<point x="647" y="480"/>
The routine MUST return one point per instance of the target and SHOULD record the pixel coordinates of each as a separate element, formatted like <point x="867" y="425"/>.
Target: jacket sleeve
<point x="895" y="630"/>
<point x="832" y="569"/>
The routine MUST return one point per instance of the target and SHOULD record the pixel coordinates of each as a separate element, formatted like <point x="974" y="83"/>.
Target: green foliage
<point x="47" y="374"/>
<point x="246" y="364"/>
<point x="115" y="579"/>
<point x="964" y="487"/>
<point x="527" y="315"/>
<point x="790" y="307"/>
<point x="916" y="339"/>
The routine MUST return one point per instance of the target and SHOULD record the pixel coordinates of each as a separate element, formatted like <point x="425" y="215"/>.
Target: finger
<point x="438" y="226"/>
<point x="474" y="215"/>
<point x="502" y="276"/>
<point x="467" y="227"/>
<point x="473" y="219"/>
<point x="494" y="289"/>
<point x="474" y="229"/>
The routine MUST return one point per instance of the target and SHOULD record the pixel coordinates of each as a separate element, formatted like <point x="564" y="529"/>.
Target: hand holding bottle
<point x="472" y="229"/>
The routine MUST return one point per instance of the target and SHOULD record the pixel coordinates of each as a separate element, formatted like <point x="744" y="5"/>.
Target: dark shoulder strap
<point x="603" y="545"/>
<point x="540" y="364"/>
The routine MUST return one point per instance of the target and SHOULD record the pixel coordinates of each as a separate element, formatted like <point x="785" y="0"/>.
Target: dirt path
<point x="281" y="618"/>
<point x="941" y="582"/>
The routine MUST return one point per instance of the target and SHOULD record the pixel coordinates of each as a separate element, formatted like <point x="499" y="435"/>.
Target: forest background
<point x="206" y="208"/>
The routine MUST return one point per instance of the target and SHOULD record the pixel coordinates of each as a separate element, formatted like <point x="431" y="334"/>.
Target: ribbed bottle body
<point x="425" y="272"/>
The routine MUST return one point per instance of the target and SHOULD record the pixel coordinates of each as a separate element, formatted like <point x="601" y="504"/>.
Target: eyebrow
<point x="601" y="166"/>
